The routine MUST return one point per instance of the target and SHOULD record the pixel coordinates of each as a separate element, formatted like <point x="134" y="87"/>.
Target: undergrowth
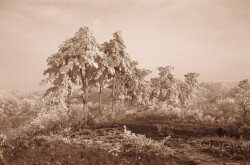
<point x="225" y="147"/>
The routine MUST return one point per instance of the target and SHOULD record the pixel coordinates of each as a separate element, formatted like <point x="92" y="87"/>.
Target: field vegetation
<point x="101" y="108"/>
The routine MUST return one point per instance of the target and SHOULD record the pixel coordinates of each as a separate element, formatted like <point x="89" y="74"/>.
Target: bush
<point x="135" y="144"/>
<point x="50" y="118"/>
<point x="161" y="110"/>
<point x="17" y="111"/>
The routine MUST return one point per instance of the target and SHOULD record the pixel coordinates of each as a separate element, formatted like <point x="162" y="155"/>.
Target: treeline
<point x="82" y="64"/>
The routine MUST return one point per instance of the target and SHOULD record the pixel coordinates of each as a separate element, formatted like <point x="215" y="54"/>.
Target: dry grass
<point x="225" y="147"/>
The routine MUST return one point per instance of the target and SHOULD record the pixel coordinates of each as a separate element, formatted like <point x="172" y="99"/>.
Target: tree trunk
<point x="113" y="90"/>
<point x="85" y="91"/>
<point x="68" y="96"/>
<point x="132" y="100"/>
<point x="126" y="99"/>
<point x="100" y="96"/>
<point x="69" y="87"/>
<point x="244" y="113"/>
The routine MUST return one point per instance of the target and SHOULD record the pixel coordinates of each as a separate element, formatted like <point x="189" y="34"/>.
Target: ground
<point x="106" y="144"/>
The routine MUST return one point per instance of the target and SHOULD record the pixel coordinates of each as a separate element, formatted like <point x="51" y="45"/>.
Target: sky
<point x="211" y="37"/>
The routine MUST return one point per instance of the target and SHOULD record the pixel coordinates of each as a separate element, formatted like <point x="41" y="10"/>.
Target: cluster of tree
<point x="82" y="64"/>
<point x="226" y="99"/>
<point x="167" y="88"/>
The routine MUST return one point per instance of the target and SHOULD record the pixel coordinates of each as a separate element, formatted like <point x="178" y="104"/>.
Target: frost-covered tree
<point x="192" y="79"/>
<point x="120" y="67"/>
<point x="165" y="87"/>
<point x="241" y="94"/>
<point x="61" y="87"/>
<point x="188" y="89"/>
<point x="73" y="65"/>
<point x="137" y="87"/>
<point x="102" y="75"/>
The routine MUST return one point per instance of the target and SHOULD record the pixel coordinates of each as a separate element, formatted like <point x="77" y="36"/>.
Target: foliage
<point x="241" y="94"/>
<point x="71" y="66"/>
<point x="81" y="63"/>
<point x="166" y="88"/>
<point x="120" y="67"/>
<point x="140" y="144"/>
<point x="16" y="109"/>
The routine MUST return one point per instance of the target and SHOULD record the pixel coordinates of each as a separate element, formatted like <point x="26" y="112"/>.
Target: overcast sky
<point x="211" y="37"/>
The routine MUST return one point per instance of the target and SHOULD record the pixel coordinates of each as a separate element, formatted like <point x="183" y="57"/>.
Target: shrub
<point x="16" y="111"/>
<point x="136" y="144"/>
<point x="50" y="118"/>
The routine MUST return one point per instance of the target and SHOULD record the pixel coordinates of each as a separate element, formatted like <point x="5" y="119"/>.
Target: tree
<point x="74" y="64"/>
<point x="188" y="88"/>
<point x="137" y="86"/>
<point x="102" y="75"/>
<point x="241" y="95"/>
<point x="165" y="86"/>
<point x="192" y="79"/>
<point x="119" y="64"/>
<point x="61" y="84"/>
